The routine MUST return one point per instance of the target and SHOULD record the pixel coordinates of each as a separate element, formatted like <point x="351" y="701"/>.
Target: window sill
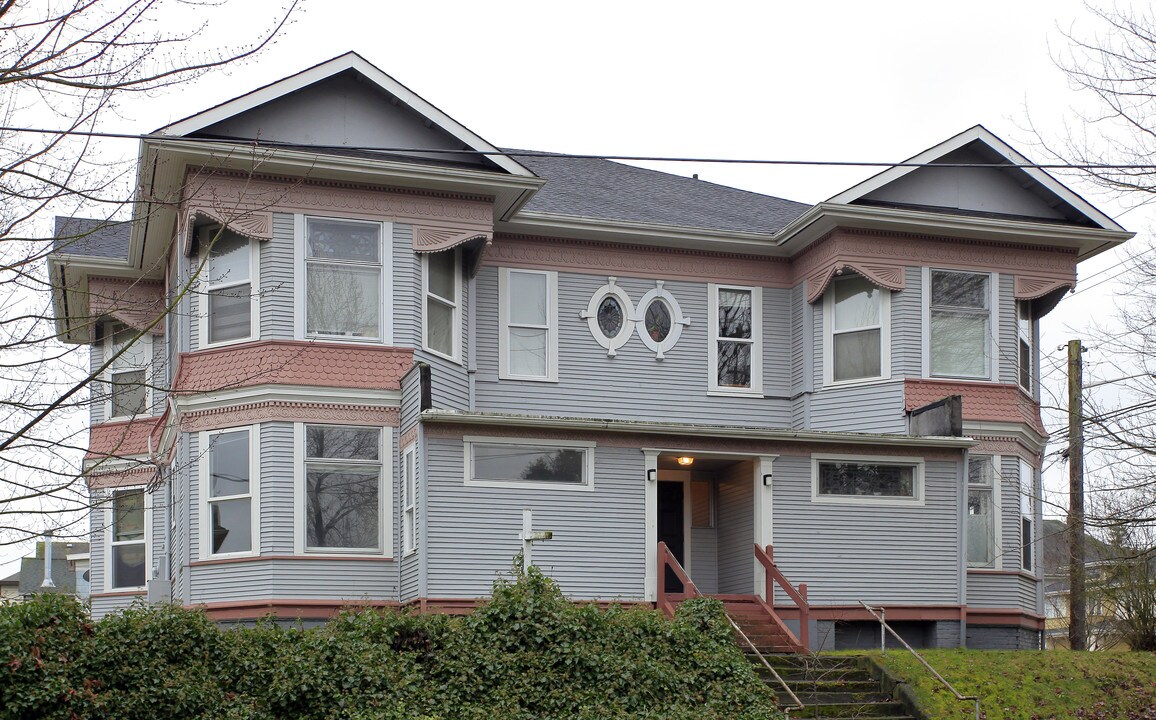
<point x="359" y="339"/>
<point x="443" y="356"/>
<point x="228" y="343"/>
<point x="264" y="558"/>
<point x="518" y="485"/>
<point x="858" y="382"/>
<point x="527" y="378"/>
<point x="882" y="501"/>
<point x="722" y="392"/>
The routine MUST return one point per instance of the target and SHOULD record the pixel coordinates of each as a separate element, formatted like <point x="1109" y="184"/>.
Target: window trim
<point x="996" y="563"/>
<point x="254" y="298"/>
<point x="587" y="447"/>
<point x="504" y="325"/>
<point x="110" y="331"/>
<point x="917" y="481"/>
<point x="300" y="299"/>
<point x="991" y="347"/>
<point x="677" y="320"/>
<point x="756" y="340"/>
<point x="456" y="306"/>
<point x="385" y="495"/>
<point x="205" y="449"/>
<point x="110" y="531"/>
<point x="829" y="334"/>
<point x="409" y="500"/>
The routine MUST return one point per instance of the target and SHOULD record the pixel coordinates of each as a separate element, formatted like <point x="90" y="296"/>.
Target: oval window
<point x="657" y="320"/>
<point x="610" y="317"/>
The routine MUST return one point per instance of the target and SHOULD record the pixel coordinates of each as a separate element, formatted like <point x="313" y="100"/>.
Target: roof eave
<point x="668" y="428"/>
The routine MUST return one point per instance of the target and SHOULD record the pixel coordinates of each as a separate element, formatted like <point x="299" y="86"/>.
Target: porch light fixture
<point x="686" y="461"/>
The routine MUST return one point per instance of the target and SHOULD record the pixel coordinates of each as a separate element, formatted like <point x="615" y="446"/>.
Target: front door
<point x="671" y="528"/>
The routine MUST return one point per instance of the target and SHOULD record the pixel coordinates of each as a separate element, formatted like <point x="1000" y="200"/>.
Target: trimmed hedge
<point x="528" y="653"/>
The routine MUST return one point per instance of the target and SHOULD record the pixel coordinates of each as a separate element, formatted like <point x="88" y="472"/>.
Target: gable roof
<point x="350" y="61"/>
<point x="980" y="139"/>
<point x="607" y="190"/>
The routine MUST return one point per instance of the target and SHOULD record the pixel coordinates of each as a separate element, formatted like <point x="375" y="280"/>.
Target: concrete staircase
<point x="828" y="687"/>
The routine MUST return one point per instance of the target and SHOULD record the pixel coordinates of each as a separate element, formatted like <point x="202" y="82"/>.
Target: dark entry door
<point x="671" y="528"/>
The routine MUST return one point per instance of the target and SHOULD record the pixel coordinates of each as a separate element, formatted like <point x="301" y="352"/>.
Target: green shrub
<point x="527" y="653"/>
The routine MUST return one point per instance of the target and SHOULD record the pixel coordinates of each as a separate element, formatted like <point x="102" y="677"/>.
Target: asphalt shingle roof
<point x="92" y="238"/>
<point x="608" y="190"/>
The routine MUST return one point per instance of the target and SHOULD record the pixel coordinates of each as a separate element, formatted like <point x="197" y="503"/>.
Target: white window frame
<point x="625" y="304"/>
<point x="385" y="318"/>
<point x="505" y="325"/>
<point x="409" y="501"/>
<point x="996" y="562"/>
<point x="829" y="334"/>
<point x="586" y="485"/>
<point x="110" y="532"/>
<point x="254" y="494"/>
<point x="145" y="342"/>
<point x="210" y="283"/>
<point x="1025" y="306"/>
<point x="756" y="341"/>
<point x="454" y="303"/>
<point x="385" y="496"/>
<point x="991" y="346"/>
<point x="677" y="320"/>
<point x="1027" y="498"/>
<point x="917" y="480"/>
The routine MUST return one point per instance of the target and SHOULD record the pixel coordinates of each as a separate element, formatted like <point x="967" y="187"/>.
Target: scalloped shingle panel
<point x="990" y="402"/>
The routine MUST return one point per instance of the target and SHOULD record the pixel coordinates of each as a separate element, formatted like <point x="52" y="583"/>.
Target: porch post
<point x="650" y="540"/>
<point x="763" y="502"/>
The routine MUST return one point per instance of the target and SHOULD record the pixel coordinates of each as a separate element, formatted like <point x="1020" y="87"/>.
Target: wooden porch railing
<point x="666" y="559"/>
<point x="799" y="596"/>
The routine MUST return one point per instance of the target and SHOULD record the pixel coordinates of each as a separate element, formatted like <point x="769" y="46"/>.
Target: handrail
<point x="940" y="678"/>
<point x="666" y="559"/>
<point x="799" y="596"/>
<point x="790" y="693"/>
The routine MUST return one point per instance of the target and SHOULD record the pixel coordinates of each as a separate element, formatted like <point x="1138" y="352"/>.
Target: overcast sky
<point x="827" y="80"/>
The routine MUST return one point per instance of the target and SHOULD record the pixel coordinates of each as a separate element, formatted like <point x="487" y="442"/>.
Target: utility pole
<point x="1077" y="590"/>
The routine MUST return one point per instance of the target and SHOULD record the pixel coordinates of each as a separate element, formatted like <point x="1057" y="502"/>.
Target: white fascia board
<point x="576" y="226"/>
<point x="979" y="132"/>
<point x="660" y="428"/>
<point x="217" y="399"/>
<point x="1016" y="431"/>
<point x="327" y="69"/>
<point x="827" y="216"/>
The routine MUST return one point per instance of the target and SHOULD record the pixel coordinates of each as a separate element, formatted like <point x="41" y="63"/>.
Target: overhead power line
<point x="258" y="143"/>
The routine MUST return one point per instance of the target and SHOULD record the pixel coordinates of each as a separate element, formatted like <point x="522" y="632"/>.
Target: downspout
<point x="963" y="480"/>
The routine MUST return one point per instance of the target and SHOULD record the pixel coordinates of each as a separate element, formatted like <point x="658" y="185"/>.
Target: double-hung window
<point x="960" y="324"/>
<point x="442" y="289"/>
<point x="128" y="391"/>
<point x="735" y="360"/>
<point x="877" y="480"/>
<point x="408" y="501"/>
<point x="858" y="330"/>
<point x="229" y="484"/>
<point x="1027" y="516"/>
<point x="528" y="336"/>
<point x="228" y="315"/>
<point x="1025" y="348"/>
<point x="128" y="540"/>
<point x="983" y="526"/>
<point x="344" y="275"/>
<point x="344" y="503"/>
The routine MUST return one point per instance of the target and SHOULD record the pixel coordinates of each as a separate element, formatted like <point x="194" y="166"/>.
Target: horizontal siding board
<point x="633" y="385"/>
<point x="704" y="559"/>
<point x="907" y="326"/>
<point x="276" y="282"/>
<point x="851" y="552"/>
<point x="736" y="534"/>
<point x="277" y="488"/>
<point x="874" y="408"/>
<point x="992" y="590"/>
<point x="598" y="546"/>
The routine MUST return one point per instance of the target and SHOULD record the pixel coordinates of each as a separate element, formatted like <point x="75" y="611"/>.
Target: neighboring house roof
<point x="1054" y="553"/>
<point x="63" y="571"/>
<point x="11" y="580"/>
<point x="606" y="190"/>
<point x="90" y="237"/>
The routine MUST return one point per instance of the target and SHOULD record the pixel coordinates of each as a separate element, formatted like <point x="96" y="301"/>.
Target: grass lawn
<point x="1033" y="685"/>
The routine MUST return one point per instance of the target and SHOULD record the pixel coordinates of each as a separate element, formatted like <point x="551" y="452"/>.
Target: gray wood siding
<point x="851" y="552"/>
<point x="598" y="549"/>
<point x="907" y="327"/>
<point x="736" y="529"/>
<point x="410" y="400"/>
<point x="179" y="555"/>
<point x="1010" y="509"/>
<point x="873" y="408"/>
<point x="406" y="288"/>
<point x="276" y="280"/>
<point x="193" y="492"/>
<point x="275" y="579"/>
<point x="993" y="590"/>
<point x="633" y="385"/>
<point x="704" y="559"/>
<point x="276" y="487"/>
<point x="158" y="376"/>
<point x="98" y="391"/>
<point x="1008" y="337"/>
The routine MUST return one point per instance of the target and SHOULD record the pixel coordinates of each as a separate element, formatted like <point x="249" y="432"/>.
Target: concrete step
<point x="873" y="710"/>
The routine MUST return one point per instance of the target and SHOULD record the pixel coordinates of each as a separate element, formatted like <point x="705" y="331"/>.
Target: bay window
<point x="983" y="525"/>
<point x="343" y="500"/>
<point x="441" y="286"/>
<point x="858" y="327"/>
<point x="344" y="277"/>
<point x="1025" y="346"/>
<point x="228" y="315"/>
<point x="127" y="375"/>
<point x="128" y="540"/>
<point x="960" y="324"/>
<point x="229" y="480"/>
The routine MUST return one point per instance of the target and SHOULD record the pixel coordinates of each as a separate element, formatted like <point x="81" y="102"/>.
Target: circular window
<point x="610" y="317"/>
<point x="656" y="320"/>
<point x="662" y="320"/>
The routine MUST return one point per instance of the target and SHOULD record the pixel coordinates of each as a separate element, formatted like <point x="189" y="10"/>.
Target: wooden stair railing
<point x="666" y="559"/>
<point x="799" y="596"/>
